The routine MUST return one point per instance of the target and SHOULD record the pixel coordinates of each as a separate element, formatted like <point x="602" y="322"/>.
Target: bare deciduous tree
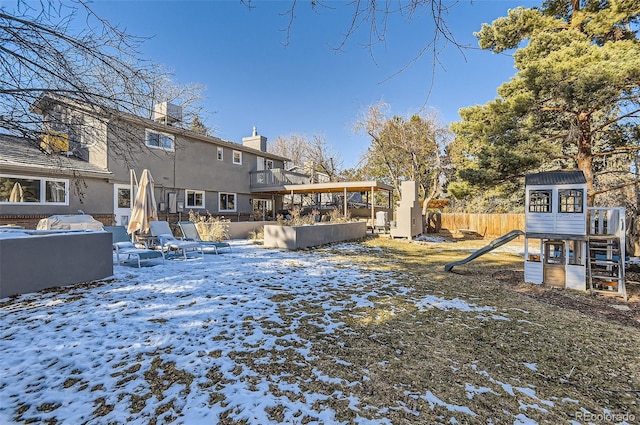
<point x="374" y="16"/>
<point x="97" y="68"/>
<point x="405" y="149"/>
<point x="295" y="147"/>
<point x="313" y="155"/>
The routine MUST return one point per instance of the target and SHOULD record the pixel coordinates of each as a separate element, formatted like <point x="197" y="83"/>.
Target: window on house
<point x="33" y="190"/>
<point x="227" y="202"/>
<point x="540" y="201"/>
<point x="237" y="157"/>
<point x="268" y="164"/>
<point x="194" y="198"/>
<point x="155" y="139"/>
<point x="55" y="192"/>
<point x="124" y="198"/>
<point x="570" y="200"/>
<point x="220" y="154"/>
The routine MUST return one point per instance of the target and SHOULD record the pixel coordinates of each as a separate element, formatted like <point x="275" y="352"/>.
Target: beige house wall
<point x="192" y="165"/>
<point x="94" y="135"/>
<point x="119" y="146"/>
<point x="97" y="196"/>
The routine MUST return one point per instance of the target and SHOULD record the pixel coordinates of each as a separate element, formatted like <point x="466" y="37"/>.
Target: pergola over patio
<point x="339" y="187"/>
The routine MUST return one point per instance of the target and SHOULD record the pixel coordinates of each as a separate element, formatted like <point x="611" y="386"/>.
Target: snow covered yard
<point x="362" y="333"/>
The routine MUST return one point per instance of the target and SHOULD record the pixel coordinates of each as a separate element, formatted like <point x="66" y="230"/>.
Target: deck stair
<point x="606" y="251"/>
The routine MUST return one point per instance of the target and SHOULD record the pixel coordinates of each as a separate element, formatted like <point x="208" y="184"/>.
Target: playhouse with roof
<point x="568" y="244"/>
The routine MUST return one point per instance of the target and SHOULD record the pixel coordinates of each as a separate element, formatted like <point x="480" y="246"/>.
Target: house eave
<point x="9" y="168"/>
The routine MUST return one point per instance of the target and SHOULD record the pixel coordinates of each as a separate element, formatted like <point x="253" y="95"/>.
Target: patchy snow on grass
<point x="435" y="401"/>
<point x="432" y="301"/>
<point x="254" y="336"/>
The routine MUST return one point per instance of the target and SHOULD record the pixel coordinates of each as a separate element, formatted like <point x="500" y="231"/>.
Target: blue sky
<point x="307" y="87"/>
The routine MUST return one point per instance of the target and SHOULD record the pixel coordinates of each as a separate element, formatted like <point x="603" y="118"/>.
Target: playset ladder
<point x="605" y="265"/>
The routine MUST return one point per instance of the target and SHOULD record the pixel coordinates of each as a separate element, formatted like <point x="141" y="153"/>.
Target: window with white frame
<point x="540" y="201"/>
<point x="570" y="200"/>
<point x="237" y="157"/>
<point x="33" y="190"/>
<point x="268" y="164"/>
<point x="156" y="139"/>
<point x="220" y="154"/>
<point x="194" y="198"/>
<point x="226" y="202"/>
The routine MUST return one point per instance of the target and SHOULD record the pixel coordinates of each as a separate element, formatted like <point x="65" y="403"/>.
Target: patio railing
<point x="276" y="177"/>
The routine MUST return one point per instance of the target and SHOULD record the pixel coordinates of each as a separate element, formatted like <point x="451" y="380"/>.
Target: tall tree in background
<point x="197" y="126"/>
<point x="325" y="159"/>
<point x="40" y="55"/>
<point x="404" y="149"/>
<point x="295" y="147"/>
<point x="311" y="156"/>
<point x="574" y="102"/>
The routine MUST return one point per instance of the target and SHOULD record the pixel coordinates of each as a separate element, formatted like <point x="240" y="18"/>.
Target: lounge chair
<point x="123" y="246"/>
<point x="190" y="232"/>
<point x="168" y="242"/>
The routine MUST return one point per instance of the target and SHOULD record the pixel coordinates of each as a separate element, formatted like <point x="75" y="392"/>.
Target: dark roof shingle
<point x="16" y="152"/>
<point x="548" y="178"/>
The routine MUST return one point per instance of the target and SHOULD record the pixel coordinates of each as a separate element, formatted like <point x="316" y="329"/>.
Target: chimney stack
<point x="255" y="141"/>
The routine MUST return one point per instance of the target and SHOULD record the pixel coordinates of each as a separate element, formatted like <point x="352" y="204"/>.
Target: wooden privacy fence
<point x="483" y="224"/>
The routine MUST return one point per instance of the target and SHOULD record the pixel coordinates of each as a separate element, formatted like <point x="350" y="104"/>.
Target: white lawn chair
<point x="190" y="232"/>
<point x="124" y="247"/>
<point x="168" y="242"/>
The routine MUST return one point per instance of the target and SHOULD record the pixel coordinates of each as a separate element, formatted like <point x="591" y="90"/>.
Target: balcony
<point x="275" y="179"/>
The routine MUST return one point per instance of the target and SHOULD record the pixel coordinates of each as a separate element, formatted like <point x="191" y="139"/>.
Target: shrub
<point x="296" y="219"/>
<point x="257" y="235"/>
<point x="209" y="227"/>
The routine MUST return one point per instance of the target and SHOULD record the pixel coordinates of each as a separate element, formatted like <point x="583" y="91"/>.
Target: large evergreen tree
<point x="574" y="102"/>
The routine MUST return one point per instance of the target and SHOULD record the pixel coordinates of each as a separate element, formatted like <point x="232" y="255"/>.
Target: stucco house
<point x="82" y="165"/>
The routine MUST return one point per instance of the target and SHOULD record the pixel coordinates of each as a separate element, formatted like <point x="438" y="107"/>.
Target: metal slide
<point x="493" y="245"/>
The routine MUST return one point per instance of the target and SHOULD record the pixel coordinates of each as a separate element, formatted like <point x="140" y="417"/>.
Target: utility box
<point x="408" y="214"/>
<point x="167" y="113"/>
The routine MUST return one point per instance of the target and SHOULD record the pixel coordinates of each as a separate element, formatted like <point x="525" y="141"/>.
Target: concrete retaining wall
<point x="296" y="237"/>
<point x="241" y="229"/>
<point x="32" y="263"/>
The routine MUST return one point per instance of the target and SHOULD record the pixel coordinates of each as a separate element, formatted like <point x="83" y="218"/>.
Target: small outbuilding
<point x="567" y="244"/>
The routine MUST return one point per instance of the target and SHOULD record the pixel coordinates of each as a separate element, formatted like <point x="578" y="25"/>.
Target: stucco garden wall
<point x="45" y="260"/>
<point x="297" y="237"/>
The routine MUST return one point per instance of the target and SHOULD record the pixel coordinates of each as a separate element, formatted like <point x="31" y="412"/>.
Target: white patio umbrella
<point x="17" y="194"/>
<point x="144" y="206"/>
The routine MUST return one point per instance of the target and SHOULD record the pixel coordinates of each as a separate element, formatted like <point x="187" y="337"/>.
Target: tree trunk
<point x="584" y="158"/>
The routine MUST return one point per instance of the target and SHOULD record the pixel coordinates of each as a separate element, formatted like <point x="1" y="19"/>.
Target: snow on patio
<point x="204" y="341"/>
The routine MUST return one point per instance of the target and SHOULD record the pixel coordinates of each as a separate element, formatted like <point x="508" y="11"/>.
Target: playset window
<point x="571" y="200"/>
<point x="540" y="201"/>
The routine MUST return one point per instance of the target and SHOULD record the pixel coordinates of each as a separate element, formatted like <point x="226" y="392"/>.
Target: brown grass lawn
<point x="586" y="352"/>
<point x="408" y="344"/>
